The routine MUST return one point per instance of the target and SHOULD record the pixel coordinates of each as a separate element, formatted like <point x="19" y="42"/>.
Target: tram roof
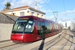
<point x="37" y="18"/>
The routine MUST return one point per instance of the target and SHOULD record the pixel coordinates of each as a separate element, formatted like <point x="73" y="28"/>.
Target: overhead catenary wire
<point x="48" y="5"/>
<point x="53" y="11"/>
<point x="64" y="6"/>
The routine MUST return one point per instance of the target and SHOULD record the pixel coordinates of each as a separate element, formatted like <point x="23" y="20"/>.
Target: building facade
<point x="66" y="25"/>
<point x="25" y="11"/>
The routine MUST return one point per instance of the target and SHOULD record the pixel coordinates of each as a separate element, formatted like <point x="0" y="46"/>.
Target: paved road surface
<point x="73" y="32"/>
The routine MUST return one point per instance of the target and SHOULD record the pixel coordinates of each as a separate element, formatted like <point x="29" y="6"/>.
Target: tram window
<point x="56" y="27"/>
<point x="59" y="28"/>
<point x="30" y="26"/>
<point x="38" y="23"/>
<point x="49" y="27"/>
<point x="38" y="27"/>
<point x="19" y="26"/>
<point x="45" y="27"/>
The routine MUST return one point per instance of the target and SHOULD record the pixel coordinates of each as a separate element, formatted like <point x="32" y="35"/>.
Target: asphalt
<point x="73" y="44"/>
<point x="73" y="32"/>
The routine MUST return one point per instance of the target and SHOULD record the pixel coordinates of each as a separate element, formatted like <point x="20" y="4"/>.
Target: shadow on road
<point x="42" y="44"/>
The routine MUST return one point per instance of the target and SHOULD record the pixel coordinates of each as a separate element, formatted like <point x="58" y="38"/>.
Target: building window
<point x="13" y="14"/>
<point x="41" y="16"/>
<point x="22" y="13"/>
<point x="32" y="13"/>
<point x="27" y="11"/>
<point x="37" y="15"/>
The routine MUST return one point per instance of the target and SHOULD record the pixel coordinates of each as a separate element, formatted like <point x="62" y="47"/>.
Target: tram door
<point x="42" y="28"/>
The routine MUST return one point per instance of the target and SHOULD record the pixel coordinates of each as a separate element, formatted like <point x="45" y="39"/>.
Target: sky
<point x="64" y="9"/>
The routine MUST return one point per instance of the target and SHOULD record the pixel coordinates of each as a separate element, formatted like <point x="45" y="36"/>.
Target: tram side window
<point x="38" y="27"/>
<point x="45" y="27"/>
<point x="55" y="26"/>
<point x="59" y="28"/>
<point x="49" y="27"/>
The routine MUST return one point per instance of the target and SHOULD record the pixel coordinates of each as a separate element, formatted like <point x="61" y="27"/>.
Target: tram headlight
<point x="22" y="36"/>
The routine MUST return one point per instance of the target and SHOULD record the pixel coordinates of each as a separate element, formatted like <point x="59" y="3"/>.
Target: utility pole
<point x="55" y="13"/>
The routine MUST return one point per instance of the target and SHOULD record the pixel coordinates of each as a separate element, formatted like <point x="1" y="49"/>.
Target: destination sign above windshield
<point x="23" y="18"/>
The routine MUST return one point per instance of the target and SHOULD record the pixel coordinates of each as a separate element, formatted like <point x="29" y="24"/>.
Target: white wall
<point x="73" y="26"/>
<point x="62" y="23"/>
<point x="68" y="24"/>
<point x="5" y="31"/>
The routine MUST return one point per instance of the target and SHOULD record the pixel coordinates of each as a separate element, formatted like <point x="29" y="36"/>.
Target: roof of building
<point x="10" y="19"/>
<point x="20" y="7"/>
<point x="23" y="7"/>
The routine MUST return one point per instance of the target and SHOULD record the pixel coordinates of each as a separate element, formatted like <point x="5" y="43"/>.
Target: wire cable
<point x="64" y="6"/>
<point x="48" y="5"/>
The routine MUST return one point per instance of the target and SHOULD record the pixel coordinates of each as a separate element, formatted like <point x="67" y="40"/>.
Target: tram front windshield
<point x="25" y="25"/>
